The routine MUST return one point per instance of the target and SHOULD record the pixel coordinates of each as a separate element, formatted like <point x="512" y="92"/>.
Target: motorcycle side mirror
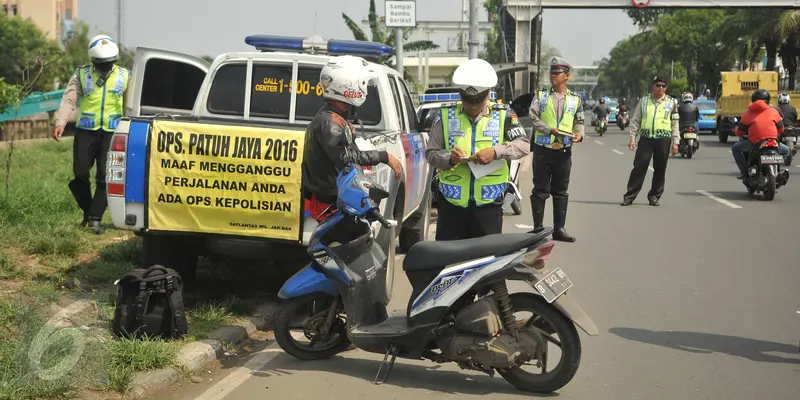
<point x="377" y="194"/>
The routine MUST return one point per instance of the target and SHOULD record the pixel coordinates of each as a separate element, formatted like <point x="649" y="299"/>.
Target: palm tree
<point x="789" y="28"/>
<point x="386" y="36"/>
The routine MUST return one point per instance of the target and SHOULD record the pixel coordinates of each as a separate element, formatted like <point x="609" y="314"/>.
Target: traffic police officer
<point x="473" y="130"/>
<point x="554" y="111"/>
<point x="100" y="89"/>
<point x="656" y="120"/>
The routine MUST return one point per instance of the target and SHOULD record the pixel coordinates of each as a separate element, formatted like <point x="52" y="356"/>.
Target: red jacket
<point x="760" y="122"/>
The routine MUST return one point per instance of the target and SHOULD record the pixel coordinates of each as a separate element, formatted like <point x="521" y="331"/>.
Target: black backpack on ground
<point x="150" y="302"/>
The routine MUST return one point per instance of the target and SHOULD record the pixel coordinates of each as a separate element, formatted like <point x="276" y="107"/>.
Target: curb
<point x="197" y="355"/>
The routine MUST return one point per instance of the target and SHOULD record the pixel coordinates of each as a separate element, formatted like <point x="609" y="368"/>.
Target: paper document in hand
<point x="479" y="171"/>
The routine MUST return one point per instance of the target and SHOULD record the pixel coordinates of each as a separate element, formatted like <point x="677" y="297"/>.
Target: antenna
<point x="315" y="24"/>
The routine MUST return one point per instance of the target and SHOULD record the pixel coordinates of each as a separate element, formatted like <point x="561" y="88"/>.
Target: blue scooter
<point x="460" y="310"/>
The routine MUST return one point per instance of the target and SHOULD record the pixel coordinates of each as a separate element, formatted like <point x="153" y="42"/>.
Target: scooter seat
<point x="437" y="255"/>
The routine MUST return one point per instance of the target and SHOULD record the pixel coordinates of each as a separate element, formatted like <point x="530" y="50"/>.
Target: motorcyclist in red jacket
<point x="759" y="122"/>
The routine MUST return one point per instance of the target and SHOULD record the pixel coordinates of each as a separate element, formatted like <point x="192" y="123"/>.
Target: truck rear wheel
<point x="171" y="253"/>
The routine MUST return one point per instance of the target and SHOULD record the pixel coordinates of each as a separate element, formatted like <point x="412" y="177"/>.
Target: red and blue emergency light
<point x="318" y="44"/>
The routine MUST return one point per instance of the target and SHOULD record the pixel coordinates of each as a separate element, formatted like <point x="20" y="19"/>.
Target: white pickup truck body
<point x="236" y="90"/>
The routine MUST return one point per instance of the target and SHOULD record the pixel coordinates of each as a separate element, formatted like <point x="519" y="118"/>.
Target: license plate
<point x="553" y="285"/>
<point x="690" y="136"/>
<point x="772" y="159"/>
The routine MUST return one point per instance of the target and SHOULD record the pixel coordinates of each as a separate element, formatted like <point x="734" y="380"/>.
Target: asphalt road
<point x="695" y="299"/>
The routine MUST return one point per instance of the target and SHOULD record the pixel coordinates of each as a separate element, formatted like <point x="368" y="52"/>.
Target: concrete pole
<point x="473" y="41"/>
<point x="398" y="40"/>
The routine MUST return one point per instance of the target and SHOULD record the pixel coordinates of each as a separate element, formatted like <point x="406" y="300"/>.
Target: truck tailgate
<point x="224" y="179"/>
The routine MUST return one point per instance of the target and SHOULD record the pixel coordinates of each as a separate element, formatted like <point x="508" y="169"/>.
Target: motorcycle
<point x="622" y="120"/>
<point x="460" y="310"/>
<point x="513" y="196"/>
<point x="766" y="171"/>
<point x="689" y="143"/>
<point x="602" y="125"/>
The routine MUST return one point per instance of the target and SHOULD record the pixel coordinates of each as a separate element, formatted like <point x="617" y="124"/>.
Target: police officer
<point x="655" y="120"/>
<point x="330" y="133"/>
<point x="473" y="130"/>
<point x="554" y="111"/>
<point x="100" y="89"/>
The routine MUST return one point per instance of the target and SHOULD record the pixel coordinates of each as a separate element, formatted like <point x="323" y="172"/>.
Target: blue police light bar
<point x="318" y="44"/>
<point x="429" y="98"/>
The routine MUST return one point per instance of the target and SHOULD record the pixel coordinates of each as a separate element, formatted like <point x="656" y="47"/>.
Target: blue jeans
<point x="745" y="146"/>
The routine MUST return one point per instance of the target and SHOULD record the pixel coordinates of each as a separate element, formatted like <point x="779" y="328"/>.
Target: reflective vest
<point x="102" y="107"/>
<point x="548" y="115"/>
<point x="457" y="184"/>
<point x="657" y="118"/>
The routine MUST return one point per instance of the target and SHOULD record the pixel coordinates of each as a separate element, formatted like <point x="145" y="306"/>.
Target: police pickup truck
<point x="208" y="159"/>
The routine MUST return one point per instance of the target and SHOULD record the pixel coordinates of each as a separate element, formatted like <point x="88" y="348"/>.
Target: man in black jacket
<point x="344" y="80"/>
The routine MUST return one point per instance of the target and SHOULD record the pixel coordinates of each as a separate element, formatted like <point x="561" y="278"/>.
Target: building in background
<point x="56" y="18"/>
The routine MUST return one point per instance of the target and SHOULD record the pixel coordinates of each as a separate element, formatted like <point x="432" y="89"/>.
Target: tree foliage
<point x="695" y="45"/>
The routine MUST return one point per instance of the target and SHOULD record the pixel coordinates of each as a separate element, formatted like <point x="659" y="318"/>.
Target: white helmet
<point x="102" y="49"/>
<point x="783" y="98"/>
<point x="346" y="79"/>
<point x="687" y="97"/>
<point x="474" y="79"/>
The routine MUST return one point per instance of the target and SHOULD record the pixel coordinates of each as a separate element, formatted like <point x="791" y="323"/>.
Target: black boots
<point x="537" y="208"/>
<point x="559" y="219"/>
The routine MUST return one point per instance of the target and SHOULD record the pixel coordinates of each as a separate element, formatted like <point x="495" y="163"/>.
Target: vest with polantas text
<point x="101" y="107"/>
<point x="457" y="184"/>
<point x="548" y="115"/>
<point x="657" y="119"/>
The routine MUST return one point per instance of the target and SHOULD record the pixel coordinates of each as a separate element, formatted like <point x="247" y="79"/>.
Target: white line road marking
<point x="715" y="198"/>
<point x="798" y="166"/>
<point x="618" y="152"/>
<point x="650" y="168"/>
<point x="522" y="226"/>
<point x="241" y="374"/>
<point x="598" y="142"/>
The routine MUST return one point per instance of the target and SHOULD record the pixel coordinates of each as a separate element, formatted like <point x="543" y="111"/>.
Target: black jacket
<point x="789" y="114"/>
<point x="688" y="113"/>
<point x="325" y="142"/>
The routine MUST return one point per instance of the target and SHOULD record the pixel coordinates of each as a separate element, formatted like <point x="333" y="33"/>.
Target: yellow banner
<point x="223" y="179"/>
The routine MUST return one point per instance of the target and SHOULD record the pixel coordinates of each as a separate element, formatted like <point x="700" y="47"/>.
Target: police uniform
<point x="101" y="105"/>
<point x="473" y="207"/>
<point x="552" y="154"/>
<point x="656" y="122"/>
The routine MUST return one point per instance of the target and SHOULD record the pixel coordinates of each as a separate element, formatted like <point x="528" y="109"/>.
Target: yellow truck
<point x="733" y="96"/>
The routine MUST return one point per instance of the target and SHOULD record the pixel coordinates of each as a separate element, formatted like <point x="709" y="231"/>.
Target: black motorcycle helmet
<point x="760" y="94"/>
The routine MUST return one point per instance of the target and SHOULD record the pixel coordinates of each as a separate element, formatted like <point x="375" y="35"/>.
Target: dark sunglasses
<point x="661" y="85"/>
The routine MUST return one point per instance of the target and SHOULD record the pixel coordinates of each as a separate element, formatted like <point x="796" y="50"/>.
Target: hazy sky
<point x="218" y="26"/>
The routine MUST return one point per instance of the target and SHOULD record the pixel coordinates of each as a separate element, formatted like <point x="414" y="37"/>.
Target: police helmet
<point x="760" y="94"/>
<point x="784" y="98"/>
<point x="102" y="49"/>
<point x="474" y="79"/>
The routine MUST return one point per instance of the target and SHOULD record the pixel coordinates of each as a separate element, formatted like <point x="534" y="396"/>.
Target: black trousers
<point x="551" y="170"/>
<point x="457" y="223"/>
<point x="647" y="149"/>
<point x="90" y="148"/>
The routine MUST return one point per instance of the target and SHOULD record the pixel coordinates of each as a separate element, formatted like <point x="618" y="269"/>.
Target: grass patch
<point x="206" y="317"/>
<point x="129" y="356"/>
<point x="7" y="269"/>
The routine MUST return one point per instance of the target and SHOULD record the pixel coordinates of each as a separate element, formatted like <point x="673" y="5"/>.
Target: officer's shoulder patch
<point x="499" y="106"/>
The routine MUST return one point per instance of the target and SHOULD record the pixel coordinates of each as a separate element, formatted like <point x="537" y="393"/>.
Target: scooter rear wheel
<point x="315" y="308"/>
<point x="550" y="320"/>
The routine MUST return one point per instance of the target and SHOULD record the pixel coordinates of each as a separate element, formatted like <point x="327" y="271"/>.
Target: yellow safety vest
<point x="457" y="184"/>
<point x="548" y="115"/>
<point x="102" y="108"/>
<point x="657" y="122"/>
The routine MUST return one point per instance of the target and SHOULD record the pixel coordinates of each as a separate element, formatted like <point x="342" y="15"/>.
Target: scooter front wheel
<point x="306" y="317"/>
